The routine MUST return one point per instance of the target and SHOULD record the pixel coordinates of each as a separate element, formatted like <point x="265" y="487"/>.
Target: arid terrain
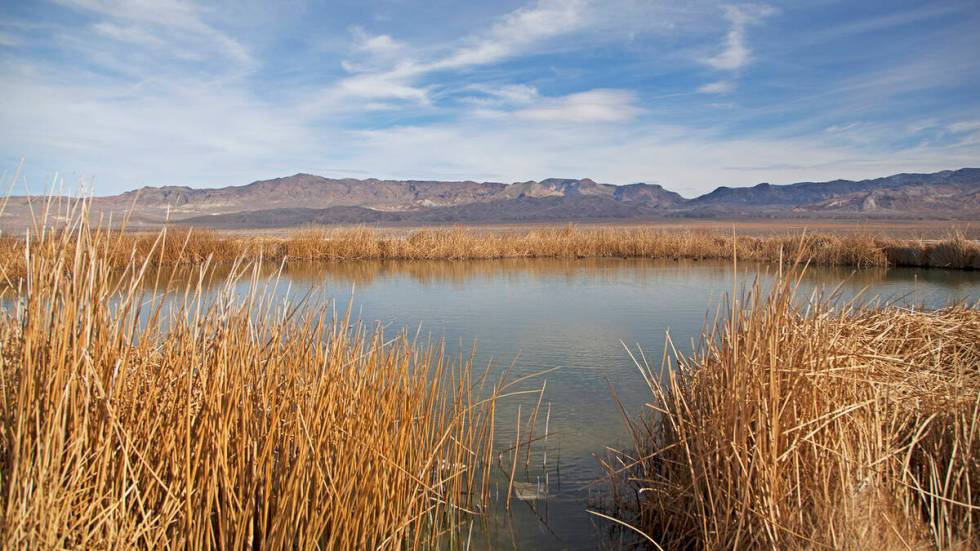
<point x="900" y="201"/>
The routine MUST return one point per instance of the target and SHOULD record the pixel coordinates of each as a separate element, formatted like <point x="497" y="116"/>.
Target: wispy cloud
<point x="131" y="33"/>
<point x="594" y="106"/>
<point x="964" y="126"/>
<point x="372" y="52"/>
<point x="736" y="52"/>
<point x="382" y="44"/>
<point x="183" y="92"/>
<point x="717" y="87"/>
<point x="839" y="128"/>
<point x="515" y="33"/>
<point x="891" y="19"/>
<point x="177" y="23"/>
<point x="686" y="160"/>
<point x="500" y="95"/>
<point x="393" y="71"/>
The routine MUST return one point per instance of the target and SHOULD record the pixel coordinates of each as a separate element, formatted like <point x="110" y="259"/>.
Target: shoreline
<point x="194" y="246"/>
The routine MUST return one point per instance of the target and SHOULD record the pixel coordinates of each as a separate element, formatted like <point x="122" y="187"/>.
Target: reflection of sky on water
<point x="573" y="315"/>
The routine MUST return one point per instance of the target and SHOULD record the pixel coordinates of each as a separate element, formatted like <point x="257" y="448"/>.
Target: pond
<point x="573" y="317"/>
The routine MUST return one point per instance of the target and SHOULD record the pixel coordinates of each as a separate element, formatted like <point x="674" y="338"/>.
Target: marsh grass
<point x="191" y="246"/>
<point x="801" y="425"/>
<point x="572" y="242"/>
<point x="139" y="419"/>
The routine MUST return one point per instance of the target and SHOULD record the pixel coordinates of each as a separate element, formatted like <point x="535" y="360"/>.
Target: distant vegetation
<point x="800" y="426"/>
<point x="196" y="246"/>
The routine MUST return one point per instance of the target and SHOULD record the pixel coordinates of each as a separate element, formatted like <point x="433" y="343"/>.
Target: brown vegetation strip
<point x="129" y="421"/>
<point x="798" y="426"/>
<point x="196" y="246"/>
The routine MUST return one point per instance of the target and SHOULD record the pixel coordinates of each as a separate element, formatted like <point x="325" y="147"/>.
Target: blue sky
<point x="690" y="95"/>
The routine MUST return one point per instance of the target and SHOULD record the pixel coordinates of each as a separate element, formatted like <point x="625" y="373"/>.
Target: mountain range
<point x="307" y="199"/>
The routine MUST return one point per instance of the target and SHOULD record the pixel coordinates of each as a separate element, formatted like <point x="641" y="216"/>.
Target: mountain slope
<point x="309" y="199"/>
<point x="941" y="193"/>
<point x="520" y="209"/>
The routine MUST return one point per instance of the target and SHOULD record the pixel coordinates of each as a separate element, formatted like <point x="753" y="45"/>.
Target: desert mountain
<point x="309" y="199"/>
<point x="939" y="195"/>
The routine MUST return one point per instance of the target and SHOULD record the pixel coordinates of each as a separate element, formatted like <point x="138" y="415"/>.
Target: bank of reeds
<point x="130" y="420"/>
<point x="798" y="425"/>
<point x="192" y="246"/>
<point x="576" y="242"/>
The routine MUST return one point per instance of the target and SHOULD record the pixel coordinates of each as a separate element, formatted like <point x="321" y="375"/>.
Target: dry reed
<point x="138" y="420"/>
<point x="798" y="425"/>
<point x="191" y="246"/>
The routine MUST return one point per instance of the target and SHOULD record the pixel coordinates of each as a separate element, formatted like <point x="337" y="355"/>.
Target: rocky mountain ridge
<point x="308" y="199"/>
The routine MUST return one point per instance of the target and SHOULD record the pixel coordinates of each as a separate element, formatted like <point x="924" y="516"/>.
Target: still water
<point x="573" y="315"/>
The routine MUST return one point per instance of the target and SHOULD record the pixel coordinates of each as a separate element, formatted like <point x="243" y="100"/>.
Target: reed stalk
<point x="193" y="246"/>
<point x="799" y="424"/>
<point x="133" y="418"/>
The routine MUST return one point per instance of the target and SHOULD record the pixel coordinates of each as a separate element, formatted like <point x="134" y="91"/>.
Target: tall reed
<point x="183" y="420"/>
<point x="799" y="425"/>
<point x="193" y="245"/>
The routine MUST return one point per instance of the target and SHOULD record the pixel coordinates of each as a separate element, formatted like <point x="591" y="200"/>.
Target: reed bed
<point x="571" y="241"/>
<point x="799" y="425"/>
<point x="574" y="242"/>
<point x="132" y="419"/>
<point x="192" y="246"/>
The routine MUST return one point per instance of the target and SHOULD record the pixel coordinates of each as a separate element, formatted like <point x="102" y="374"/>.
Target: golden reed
<point x="798" y="425"/>
<point x="192" y="246"/>
<point x="139" y="419"/>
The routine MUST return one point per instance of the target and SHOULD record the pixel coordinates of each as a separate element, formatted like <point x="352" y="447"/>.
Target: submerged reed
<point x="798" y="425"/>
<point x="131" y="419"/>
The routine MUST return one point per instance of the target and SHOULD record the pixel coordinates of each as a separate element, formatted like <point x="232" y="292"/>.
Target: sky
<point x="113" y="95"/>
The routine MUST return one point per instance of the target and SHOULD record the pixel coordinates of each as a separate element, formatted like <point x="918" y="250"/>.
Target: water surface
<point x="574" y="315"/>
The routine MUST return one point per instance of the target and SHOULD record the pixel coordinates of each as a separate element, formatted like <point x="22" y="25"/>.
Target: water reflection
<point x="573" y="315"/>
<point x="366" y="272"/>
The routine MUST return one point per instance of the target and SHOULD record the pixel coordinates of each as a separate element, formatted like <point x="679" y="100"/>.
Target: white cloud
<point x="839" y="128"/>
<point x="593" y="106"/>
<point x="158" y="133"/>
<point x="372" y="52"/>
<point x="500" y="96"/>
<point x="718" y="87"/>
<point x="131" y="33"/>
<point x="684" y="160"/>
<point x="967" y="132"/>
<point x="155" y="22"/>
<point x="143" y="120"/>
<point x="387" y="68"/>
<point x="517" y="31"/>
<point x="202" y="135"/>
<point x="895" y="17"/>
<point x="380" y="86"/>
<point x="381" y="44"/>
<point x="736" y="53"/>
<point x="964" y="126"/>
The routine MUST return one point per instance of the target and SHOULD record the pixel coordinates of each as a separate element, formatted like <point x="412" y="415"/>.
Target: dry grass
<point x="801" y="426"/>
<point x="193" y="246"/>
<point x="572" y="242"/>
<point x="130" y="420"/>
